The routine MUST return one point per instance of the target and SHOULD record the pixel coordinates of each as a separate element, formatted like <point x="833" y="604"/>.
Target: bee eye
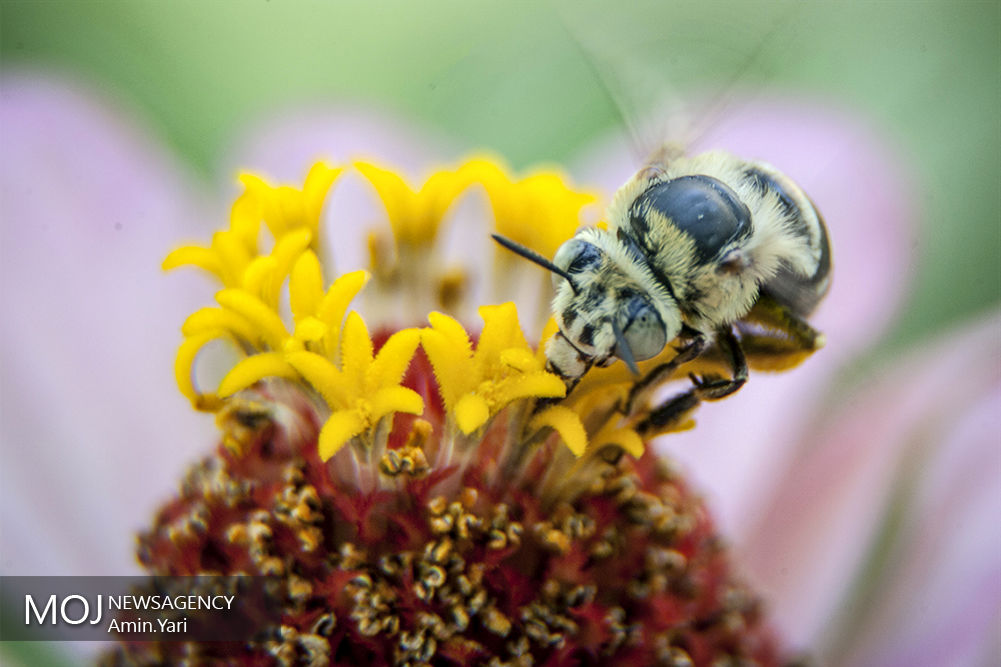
<point x="644" y="331"/>
<point x="576" y="256"/>
<point x="587" y="257"/>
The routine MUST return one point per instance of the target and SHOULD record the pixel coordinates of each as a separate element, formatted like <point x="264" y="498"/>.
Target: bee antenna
<point x="535" y="258"/>
<point x="624" y="351"/>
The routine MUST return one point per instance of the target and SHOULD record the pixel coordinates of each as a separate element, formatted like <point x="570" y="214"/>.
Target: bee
<point x="711" y="250"/>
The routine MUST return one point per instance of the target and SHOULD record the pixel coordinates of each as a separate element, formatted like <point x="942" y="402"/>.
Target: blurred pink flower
<point x="868" y="517"/>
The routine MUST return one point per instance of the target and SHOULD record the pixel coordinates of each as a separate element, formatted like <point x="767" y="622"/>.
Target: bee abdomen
<point x="800" y="293"/>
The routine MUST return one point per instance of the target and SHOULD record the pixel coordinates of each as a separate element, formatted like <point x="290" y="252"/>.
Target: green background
<point x="527" y="80"/>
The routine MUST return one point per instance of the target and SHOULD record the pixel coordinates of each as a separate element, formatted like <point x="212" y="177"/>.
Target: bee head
<point x="606" y="303"/>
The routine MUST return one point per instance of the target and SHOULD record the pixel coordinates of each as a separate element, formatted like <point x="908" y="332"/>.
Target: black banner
<point x="138" y="609"/>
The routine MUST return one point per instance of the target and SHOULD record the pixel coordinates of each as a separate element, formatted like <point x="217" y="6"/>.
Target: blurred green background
<point x="524" y="79"/>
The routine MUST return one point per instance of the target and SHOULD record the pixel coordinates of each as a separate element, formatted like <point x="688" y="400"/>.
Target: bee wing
<point x="667" y="81"/>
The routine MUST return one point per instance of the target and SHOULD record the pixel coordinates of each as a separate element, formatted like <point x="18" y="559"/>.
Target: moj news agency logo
<point x="134" y="609"/>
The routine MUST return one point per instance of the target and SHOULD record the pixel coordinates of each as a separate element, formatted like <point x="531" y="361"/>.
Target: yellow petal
<point x="448" y="349"/>
<point x="500" y="332"/>
<point x="438" y="193"/>
<point x="269" y="325"/>
<point x="356" y="351"/>
<point x="185" y="361"/>
<point x="324" y="377"/>
<point x="530" y="385"/>
<point x="305" y="285"/>
<point x="626" y="438"/>
<point x="453" y="332"/>
<point x="254" y="368"/>
<point x="245" y="221"/>
<point x="233" y="254"/>
<point x="471" y="412"/>
<point x="218" y="319"/>
<point x="567" y="423"/>
<point x="395" y="399"/>
<point x="318" y="181"/>
<point x="335" y="303"/>
<point x="487" y="171"/>
<point x="286" y="251"/>
<point x="396" y="196"/>
<point x="340" y="427"/>
<point x="259" y="276"/>
<point x="520" y="359"/>
<point x="393" y="359"/>
<point x="308" y="330"/>
<point x="268" y="198"/>
<point x="191" y="255"/>
<point x="540" y="211"/>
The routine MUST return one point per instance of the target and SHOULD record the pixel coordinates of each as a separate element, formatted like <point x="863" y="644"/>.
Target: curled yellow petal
<point x="626" y="438"/>
<point x="395" y="399"/>
<point x="218" y="319"/>
<point x="184" y="363"/>
<point x="414" y="216"/>
<point x="393" y="191"/>
<point x="339" y="428"/>
<point x="320" y="178"/>
<point x="567" y="423"/>
<point x="253" y="369"/>
<point x="191" y="255"/>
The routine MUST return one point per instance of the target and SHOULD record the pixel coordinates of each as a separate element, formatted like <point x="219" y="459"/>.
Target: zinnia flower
<point x="401" y="458"/>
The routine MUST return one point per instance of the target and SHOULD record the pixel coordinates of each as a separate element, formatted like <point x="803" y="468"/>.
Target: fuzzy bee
<point x="711" y="250"/>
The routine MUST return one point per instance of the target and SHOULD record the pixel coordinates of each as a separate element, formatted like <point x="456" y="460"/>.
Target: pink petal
<point x="94" y="432"/>
<point x="941" y="601"/>
<point x="922" y="441"/>
<point x="860" y="188"/>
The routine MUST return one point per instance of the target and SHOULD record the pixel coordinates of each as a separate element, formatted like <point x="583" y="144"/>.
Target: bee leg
<point x="671" y="414"/>
<point x="712" y="388"/>
<point x="694" y="346"/>
<point x="784" y="343"/>
<point x="772" y="314"/>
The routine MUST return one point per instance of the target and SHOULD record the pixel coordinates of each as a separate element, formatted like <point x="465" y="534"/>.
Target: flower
<point x="150" y="433"/>
<point x="501" y="525"/>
